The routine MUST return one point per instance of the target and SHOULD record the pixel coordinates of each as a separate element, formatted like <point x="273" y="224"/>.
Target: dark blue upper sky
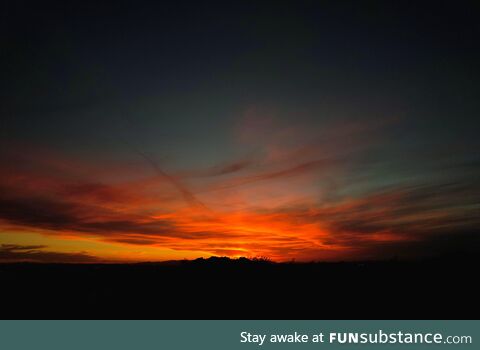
<point x="189" y="66"/>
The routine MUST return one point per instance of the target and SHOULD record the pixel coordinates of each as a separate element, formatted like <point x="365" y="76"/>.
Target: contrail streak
<point x="187" y="195"/>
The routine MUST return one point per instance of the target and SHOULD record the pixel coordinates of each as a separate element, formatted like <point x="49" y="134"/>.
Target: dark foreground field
<point x="219" y="288"/>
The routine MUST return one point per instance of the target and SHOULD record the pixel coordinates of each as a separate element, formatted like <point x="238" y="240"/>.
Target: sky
<point x="294" y="131"/>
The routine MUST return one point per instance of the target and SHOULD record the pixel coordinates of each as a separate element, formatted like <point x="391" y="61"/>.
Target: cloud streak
<point x="37" y="254"/>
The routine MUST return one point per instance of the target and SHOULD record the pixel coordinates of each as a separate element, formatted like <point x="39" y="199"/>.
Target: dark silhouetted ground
<point x="220" y="288"/>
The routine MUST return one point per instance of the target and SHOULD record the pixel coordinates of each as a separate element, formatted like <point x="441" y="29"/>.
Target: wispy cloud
<point x="37" y="253"/>
<point x="304" y="198"/>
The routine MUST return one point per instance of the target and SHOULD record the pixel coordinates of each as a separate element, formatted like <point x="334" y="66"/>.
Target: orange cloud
<point x="284" y="201"/>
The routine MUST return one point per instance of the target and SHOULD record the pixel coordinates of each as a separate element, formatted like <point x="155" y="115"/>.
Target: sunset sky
<point x="298" y="131"/>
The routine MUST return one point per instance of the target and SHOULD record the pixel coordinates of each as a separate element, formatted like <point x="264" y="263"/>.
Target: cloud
<point x="396" y="220"/>
<point x="185" y="192"/>
<point x="299" y="199"/>
<point x="57" y="215"/>
<point x="96" y="192"/>
<point x="218" y="170"/>
<point x="294" y="170"/>
<point x="37" y="212"/>
<point x="36" y="253"/>
<point x="411" y="210"/>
